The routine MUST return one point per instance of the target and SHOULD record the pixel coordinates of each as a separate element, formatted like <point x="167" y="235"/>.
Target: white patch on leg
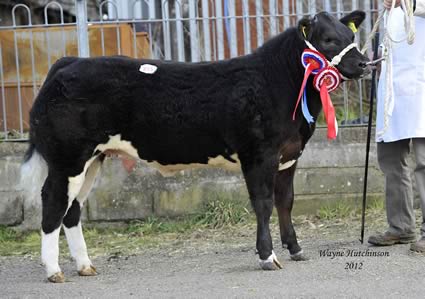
<point x="74" y="235"/>
<point x="88" y="183"/>
<point x="77" y="188"/>
<point x="270" y="259"/>
<point x="77" y="246"/>
<point x="286" y="165"/>
<point x="76" y="183"/>
<point x="50" y="251"/>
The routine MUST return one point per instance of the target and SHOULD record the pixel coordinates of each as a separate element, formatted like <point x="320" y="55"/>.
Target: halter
<point x="327" y="78"/>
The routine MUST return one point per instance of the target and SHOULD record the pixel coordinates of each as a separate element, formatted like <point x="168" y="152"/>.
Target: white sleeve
<point x="420" y="8"/>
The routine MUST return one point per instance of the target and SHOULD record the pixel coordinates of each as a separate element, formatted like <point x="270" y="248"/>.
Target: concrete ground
<point x="208" y="264"/>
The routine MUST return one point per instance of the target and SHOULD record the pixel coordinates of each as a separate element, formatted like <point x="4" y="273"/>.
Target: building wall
<point x="327" y="171"/>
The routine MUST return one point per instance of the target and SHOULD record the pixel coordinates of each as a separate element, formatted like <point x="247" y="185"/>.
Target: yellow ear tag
<point x="352" y="26"/>
<point x="303" y="30"/>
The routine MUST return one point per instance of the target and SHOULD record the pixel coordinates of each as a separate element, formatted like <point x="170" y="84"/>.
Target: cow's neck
<point x="285" y="73"/>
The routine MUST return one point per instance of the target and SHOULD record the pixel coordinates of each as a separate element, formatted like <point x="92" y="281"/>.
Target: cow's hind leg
<point x="284" y="199"/>
<point x="259" y="175"/>
<point x="72" y="223"/>
<point x="54" y="205"/>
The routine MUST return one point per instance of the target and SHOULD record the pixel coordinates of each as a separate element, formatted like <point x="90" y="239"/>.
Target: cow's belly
<point x="215" y="162"/>
<point x="116" y="145"/>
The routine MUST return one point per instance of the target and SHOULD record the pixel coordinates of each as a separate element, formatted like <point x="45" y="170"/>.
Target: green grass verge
<point x="18" y="243"/>
<point x="135" y="235"/>
<point x="343" y="209"/>
<point x="222" y="216"/>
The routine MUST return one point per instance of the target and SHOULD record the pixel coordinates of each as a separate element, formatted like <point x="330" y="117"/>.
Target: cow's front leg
<point x="259" y="175"/>
<point x="284" y="199"/>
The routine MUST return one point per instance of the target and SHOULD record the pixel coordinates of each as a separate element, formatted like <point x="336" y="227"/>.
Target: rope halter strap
<point x="337" y="59"/>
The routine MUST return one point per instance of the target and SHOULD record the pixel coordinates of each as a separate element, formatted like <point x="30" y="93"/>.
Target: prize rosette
<point x="315" y="59"/>
<point x="328" y="76"/>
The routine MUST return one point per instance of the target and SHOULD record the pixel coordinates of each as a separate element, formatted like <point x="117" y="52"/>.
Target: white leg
<point x="77" y="246"/>
<point x="74" y="234"/>
<point x="50" y="255"/>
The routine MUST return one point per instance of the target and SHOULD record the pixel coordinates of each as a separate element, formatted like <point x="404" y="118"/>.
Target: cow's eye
<point x="328" y="40"/>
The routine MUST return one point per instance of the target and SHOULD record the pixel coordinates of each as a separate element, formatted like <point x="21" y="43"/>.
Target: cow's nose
<point x="366" y="69"/>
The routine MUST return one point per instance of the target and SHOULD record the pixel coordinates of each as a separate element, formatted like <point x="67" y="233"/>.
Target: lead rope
<point x="409" y="22"/>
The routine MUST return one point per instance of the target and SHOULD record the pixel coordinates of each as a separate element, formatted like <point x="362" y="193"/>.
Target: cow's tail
<point x="33" y="175"/>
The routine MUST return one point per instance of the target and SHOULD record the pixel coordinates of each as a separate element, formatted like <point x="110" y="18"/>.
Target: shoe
<point x="419" y="246"/>
<point x="387" y="239"/>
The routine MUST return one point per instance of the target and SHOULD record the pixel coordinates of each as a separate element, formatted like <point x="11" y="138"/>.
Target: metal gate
<point x="182" y="30"/>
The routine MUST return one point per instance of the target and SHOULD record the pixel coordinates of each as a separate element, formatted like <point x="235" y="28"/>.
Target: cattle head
<point x="330" y="36"/>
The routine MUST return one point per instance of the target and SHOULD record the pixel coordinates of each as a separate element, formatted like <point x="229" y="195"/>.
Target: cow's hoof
<point x="299" y="256"/>
<point x="58" y="277"/>
<point x="88" y="271"/>
<point x="271" y="263"/>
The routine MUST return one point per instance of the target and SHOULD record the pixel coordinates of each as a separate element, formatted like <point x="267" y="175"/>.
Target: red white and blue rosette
<point x="314" y="59"/>
<point x="313" y="62"/>
<point x="326" y="79"/>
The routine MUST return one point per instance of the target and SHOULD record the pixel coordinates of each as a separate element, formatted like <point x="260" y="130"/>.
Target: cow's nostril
<point x="362" y="64"/>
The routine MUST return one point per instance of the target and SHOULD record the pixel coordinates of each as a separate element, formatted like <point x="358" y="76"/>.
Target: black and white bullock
<point x="235" y="114"/>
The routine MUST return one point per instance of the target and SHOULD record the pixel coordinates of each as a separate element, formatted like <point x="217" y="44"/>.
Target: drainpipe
<point x="82" y="28"/>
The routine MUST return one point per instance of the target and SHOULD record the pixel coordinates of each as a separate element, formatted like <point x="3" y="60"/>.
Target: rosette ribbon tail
<point x="329" y="111"/>
<point x="304" y="108"/>
<point x="308" y="70"/>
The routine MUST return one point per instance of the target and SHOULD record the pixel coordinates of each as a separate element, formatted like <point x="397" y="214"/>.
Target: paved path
<point x="228" y="269"/>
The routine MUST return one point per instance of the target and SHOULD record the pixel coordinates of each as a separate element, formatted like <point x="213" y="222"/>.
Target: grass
<point x="18" y="243"/>
<point x="135" y="235"/>
<point x="219" y="220"/>
<point x="219" y="214"/>
<point x="335" y="211"/>
<point x="216" y="214"/>
<point x="343" y="209"/>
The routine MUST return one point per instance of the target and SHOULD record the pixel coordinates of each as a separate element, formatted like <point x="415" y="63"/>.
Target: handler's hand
<point x="388" y="3"/>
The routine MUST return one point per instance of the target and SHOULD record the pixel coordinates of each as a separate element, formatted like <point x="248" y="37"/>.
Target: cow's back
<point x="189" y="110"/>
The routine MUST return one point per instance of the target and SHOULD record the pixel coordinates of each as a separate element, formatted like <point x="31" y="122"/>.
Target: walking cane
<point x="369" y="131"/>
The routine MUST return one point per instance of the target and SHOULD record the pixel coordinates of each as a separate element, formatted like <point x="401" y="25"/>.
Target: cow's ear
<point x="304" y="27"/>
<point x="354" y="19"/>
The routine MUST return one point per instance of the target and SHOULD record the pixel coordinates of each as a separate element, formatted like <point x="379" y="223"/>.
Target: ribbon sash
<point x="329" y="111"/>
<point x="310" y="67"/>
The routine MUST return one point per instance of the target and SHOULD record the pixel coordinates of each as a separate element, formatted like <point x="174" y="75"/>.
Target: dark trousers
<point x="393" y="161"/>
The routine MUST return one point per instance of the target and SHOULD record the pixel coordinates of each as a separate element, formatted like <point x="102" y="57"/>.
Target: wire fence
<point x="181" y="30"/>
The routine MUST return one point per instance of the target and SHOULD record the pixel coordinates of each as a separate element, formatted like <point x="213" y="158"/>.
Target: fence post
<point x="82" y="28"/>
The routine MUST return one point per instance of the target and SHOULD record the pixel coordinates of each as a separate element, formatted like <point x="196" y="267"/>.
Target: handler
<point x="404" y="126"/>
